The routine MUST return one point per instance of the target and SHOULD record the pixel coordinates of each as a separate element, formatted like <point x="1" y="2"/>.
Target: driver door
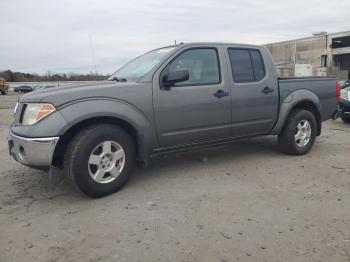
<point x="196" y="110"/>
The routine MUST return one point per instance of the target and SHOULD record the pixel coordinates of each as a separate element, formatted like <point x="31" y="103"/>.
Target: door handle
<point x="220" y="93"/>
<point x="267" y="90"/>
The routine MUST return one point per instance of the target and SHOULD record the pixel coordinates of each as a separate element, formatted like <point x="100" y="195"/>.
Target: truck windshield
<point x="141" y="65"/>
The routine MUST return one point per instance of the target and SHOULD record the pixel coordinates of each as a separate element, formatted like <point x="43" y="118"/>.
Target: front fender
<point x="289" y="102"/>
<point x="81" y="110"/>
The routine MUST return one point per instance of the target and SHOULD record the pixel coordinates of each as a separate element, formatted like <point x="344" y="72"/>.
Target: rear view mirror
<point x="176" y="76"/>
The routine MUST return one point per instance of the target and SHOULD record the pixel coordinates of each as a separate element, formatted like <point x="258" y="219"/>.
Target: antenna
<point x="93" y="54"/>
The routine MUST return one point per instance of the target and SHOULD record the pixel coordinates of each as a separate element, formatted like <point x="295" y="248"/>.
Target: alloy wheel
<point x="106" y="162"/>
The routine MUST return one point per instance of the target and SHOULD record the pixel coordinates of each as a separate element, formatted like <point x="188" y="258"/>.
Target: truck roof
<point x="217" y="43"/>
<point x="208" y="44"/>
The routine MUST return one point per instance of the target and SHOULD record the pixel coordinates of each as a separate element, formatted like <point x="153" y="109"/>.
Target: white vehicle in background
<point x="344" y="103"/>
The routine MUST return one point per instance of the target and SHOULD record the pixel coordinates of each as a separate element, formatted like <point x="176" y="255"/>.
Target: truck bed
<point x="322" y="87"/>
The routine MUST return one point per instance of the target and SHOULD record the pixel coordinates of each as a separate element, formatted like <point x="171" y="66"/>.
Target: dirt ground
<point x="241" y="202"/>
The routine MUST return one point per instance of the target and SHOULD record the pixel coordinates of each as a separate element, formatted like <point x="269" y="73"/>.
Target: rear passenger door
<point x="254" y="91"/>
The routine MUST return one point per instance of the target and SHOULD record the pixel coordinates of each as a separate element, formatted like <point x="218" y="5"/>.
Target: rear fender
<point x="290" y="102"/>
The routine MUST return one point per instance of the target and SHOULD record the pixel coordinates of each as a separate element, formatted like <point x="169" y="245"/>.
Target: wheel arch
<point x="300" y="99"/>
<point x="310" y="106"/>
<point x="67" y="136"/>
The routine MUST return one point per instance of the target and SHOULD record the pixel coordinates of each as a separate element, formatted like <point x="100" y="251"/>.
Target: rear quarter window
<point x="258" y="65"/>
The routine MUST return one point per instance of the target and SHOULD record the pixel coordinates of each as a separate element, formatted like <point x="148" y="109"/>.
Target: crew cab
<point x="170" y="99"/>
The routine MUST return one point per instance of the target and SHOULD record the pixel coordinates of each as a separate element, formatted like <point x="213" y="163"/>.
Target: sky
<point x="63" y="36"/>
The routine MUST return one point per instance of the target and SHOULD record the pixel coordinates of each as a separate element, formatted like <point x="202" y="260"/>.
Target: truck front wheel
<point x="346" y="118"/>
<point x="299" y="133"/>
<point x="99" y="159"/>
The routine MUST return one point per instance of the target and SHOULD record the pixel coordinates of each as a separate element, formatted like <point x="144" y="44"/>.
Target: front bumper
<point x="34" y="152"/>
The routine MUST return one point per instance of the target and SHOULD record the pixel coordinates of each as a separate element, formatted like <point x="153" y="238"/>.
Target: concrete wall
<point x="302" y="51"/>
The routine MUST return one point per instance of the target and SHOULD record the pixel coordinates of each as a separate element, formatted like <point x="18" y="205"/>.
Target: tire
<point x="291" y="140"/>
<point x="88" y="147"/>
<point x="346" y="118"/>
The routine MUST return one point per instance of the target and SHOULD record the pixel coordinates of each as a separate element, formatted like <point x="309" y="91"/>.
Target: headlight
<point x="35" y="112"/>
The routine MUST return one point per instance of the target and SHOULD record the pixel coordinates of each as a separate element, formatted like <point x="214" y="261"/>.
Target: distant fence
<point x="48" y="83"/>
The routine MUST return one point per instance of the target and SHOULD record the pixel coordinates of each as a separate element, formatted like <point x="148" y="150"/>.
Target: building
<point x="319" y="55"/>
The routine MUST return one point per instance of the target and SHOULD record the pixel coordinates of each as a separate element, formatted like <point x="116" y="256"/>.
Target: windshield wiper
<point x="119" y="79"/>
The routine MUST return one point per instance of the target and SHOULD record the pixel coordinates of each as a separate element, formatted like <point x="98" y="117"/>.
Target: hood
<point x="65" y="94"/>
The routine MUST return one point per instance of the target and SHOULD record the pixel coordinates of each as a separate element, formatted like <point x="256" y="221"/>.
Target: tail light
<point x="337" y="91"/>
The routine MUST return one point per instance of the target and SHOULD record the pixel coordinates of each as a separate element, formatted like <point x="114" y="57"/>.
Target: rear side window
<point x="247" y="65"/>
<point x="242" y="69"/>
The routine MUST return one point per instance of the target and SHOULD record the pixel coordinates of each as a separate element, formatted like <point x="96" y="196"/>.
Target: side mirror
<point x="176" y="76"/>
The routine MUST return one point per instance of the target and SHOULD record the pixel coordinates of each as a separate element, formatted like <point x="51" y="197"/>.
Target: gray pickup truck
<point x="168" y="100"/>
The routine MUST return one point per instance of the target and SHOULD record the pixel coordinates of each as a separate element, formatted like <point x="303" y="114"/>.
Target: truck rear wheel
<point x="99" y="159"/>
<point x="299" y="133"/>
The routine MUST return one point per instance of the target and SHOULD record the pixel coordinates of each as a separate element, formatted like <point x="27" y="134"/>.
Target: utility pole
<point x="93" y="54"/>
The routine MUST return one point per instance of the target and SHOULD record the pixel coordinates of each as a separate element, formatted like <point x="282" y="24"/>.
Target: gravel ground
<point x="241" y="202"/>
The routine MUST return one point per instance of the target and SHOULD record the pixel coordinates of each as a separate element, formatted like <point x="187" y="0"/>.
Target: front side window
<point x="202" y="64"/>
<point x="247" y="65"/>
